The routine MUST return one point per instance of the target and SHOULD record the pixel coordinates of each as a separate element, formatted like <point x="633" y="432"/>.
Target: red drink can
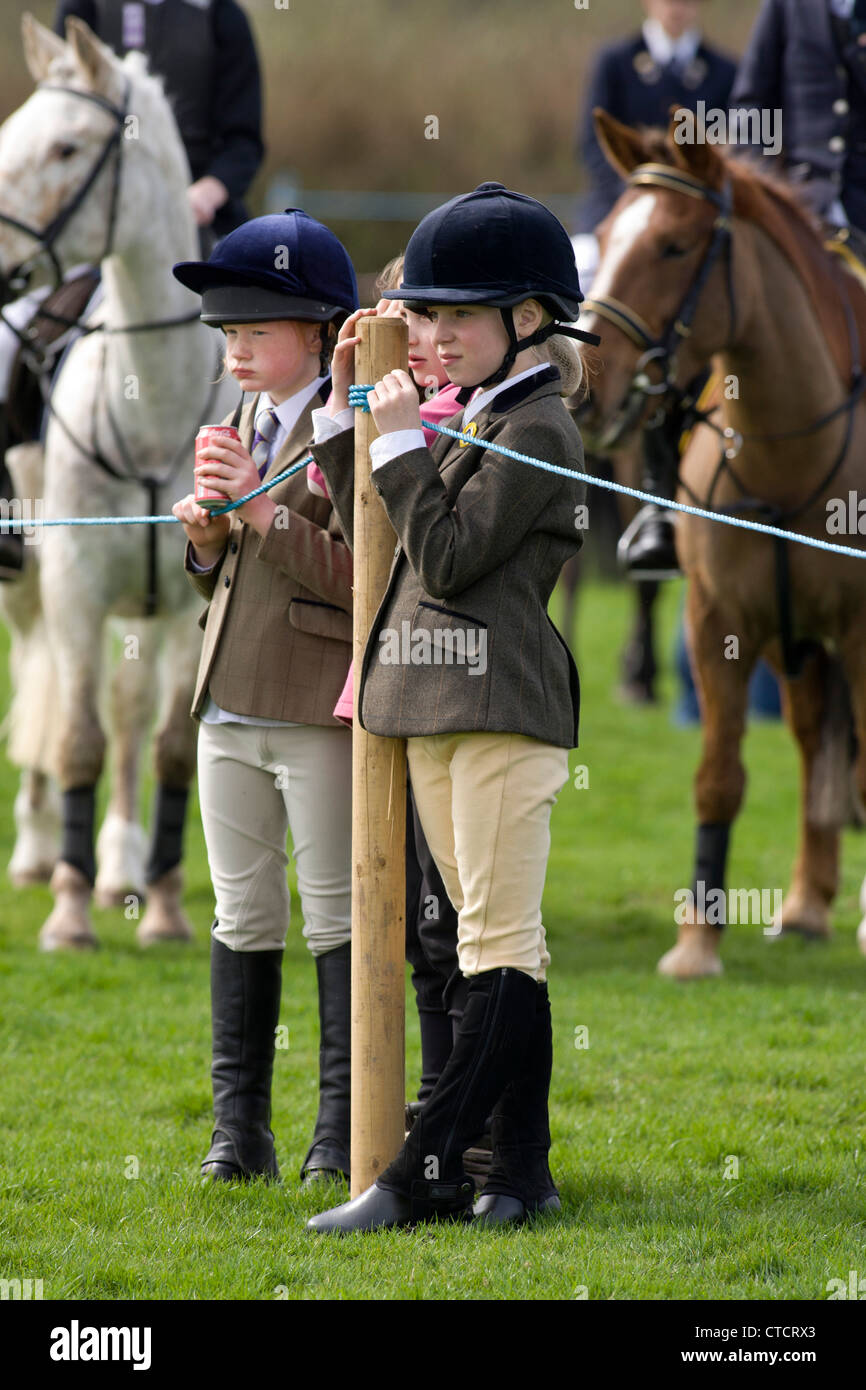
<point x="209" y="434"/>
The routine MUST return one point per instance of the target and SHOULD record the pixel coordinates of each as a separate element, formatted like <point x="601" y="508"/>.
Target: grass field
<point x="708" y="1143"/>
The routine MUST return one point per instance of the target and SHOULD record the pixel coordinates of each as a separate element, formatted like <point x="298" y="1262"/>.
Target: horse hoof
<point x="68" y="927"/>
<point x="695" y="956"/>
<point x="800" y="917"/>
<point x="164" y="919"/>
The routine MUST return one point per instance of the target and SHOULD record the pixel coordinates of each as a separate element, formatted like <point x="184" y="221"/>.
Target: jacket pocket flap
<point x="320" y="619"/>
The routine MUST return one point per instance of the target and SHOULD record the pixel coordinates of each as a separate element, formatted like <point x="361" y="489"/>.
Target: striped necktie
<point x="266" y="428"/>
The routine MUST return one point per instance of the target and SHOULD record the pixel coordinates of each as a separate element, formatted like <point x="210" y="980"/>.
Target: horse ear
<point x="41" y="46"/>
<point x="621" y="146"/>
<point x="695" y="156"/>
<point x="95" y="59"/>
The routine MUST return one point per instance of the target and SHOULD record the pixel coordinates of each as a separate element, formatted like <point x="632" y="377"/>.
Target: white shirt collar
<point x="289" y="411"/>
<point x="663" y="48"/>
<point x="478" y="403"/>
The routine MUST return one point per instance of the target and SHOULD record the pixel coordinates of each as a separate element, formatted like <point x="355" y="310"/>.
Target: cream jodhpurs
<point x="254" y="783"/>
<point x="485" y="801"/>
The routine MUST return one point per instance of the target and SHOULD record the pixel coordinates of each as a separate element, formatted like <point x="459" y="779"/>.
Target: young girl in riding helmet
<point x="277" y="575"/>
<point x="482" y="541"/>
<point x="431" y="922"/>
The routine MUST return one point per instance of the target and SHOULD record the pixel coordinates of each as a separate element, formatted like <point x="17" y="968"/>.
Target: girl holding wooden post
<point x="482" y="539"/>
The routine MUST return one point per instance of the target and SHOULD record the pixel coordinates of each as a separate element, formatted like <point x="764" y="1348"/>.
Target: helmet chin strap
<point x="515" y="345"/>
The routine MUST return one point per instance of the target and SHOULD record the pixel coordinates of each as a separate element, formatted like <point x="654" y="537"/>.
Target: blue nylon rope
<point x="358" y="398"/>
<point x="12" y="525"/>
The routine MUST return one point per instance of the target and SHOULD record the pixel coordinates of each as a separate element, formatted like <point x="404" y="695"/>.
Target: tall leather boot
<point x="520" y="1183"/>
<point x="426" y="1180"/>
<point x="327" y="1159"/>
<point x="245" y="1002"/>
<point x="652" y="552"/>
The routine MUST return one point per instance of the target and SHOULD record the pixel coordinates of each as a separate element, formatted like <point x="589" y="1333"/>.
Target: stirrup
<point x="628" y="535"/>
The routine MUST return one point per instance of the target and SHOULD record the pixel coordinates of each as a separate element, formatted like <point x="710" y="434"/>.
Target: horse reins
<point x="663" y="348"/>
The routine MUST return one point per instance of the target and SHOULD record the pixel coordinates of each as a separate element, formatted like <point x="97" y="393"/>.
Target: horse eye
<point x="65" y="151"/>
<point x="672" y="250"/>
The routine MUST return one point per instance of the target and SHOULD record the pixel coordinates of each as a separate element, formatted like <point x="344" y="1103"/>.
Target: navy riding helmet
<point x="283" y="266"/>
<point x="494" y="247"/>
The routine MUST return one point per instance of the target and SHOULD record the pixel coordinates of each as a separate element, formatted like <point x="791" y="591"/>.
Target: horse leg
<point x="639" y="659"/>
<point x="854" y="661"/>
<point x="37" y="829"/>
<point x="174" y="765"/>
<point x="723" y="686"/>
<point x="815" y="707"/>
<point x="75" y="635"/>
<point x="121" y="846"/>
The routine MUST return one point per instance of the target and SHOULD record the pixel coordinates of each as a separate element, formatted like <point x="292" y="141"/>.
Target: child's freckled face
<point x="469" y="339"/>
<point x="277" y="356"/>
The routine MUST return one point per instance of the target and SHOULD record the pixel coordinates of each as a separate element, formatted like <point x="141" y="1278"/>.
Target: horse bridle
<point x="47" y="236"/>
<point x="662" y="348"/>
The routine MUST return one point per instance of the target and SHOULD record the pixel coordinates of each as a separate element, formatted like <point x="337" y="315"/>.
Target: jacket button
<point x="837" y="144"/>
<point x="234" y="547"/>
<point x="227" y="581"/>
<point x="841" y="106"/>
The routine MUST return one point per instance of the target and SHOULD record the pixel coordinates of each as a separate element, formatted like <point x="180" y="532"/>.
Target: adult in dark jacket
<point x="638" y="79"/>
<point x="204" y="51"/>
<point x="807" y="58"/>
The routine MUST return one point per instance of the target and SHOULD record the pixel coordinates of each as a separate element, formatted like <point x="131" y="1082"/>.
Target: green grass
<point x="105" y="1059"/>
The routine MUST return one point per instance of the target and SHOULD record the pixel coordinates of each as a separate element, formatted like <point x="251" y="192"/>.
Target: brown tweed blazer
<point x="482" y="541"/>
<point x="278" y="628"/>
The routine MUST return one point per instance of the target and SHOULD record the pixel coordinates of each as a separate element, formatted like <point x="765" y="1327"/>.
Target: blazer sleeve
<point x="204" y="584"/>
<point x="79" y="9"/>
<point x="236" y="112"/>
<point x="605" y="184"/>
<point x="311" y="555"/>
<point x="451" y="546"/>
<point x="758" y="82"/>
<point x="336" y="458"/>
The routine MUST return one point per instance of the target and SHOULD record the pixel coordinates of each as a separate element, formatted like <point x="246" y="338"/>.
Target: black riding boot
<point x="328" y="1155"/>
<point x="245" y="1002"/>
<point x="427" y="1179"/>
<point x="519" y="1182"/>
<point x="652" y="552"/>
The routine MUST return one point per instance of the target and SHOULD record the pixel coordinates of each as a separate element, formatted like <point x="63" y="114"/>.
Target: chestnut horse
<point x="708" y="260"/>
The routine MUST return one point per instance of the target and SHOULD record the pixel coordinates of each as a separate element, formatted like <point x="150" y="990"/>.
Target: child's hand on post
<point x="343" y="362"/>
<point x="228" y="467"/>
<point x="207" y="534"/>
<point x="394" y="403"/>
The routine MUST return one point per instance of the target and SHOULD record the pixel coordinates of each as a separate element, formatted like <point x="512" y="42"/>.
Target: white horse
<point x="92" y="169"/>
